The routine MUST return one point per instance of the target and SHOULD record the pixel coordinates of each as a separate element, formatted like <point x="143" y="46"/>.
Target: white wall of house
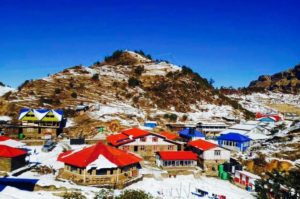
<point x="149" y="141"/>
<point x="175" y="163"/>
<point x="217" y="153"/>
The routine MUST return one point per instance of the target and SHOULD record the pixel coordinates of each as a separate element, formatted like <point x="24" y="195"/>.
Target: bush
<point x="133" y="82"/>
<point x="105" y="194"/>
<point x="134" y="194"/>
<point x="57" y="91"/>
<point x="171" y="117"/>
<point x="114" y="56"/>
<point x="73" y="195"/>
<point x="95" y="77"/>
<point x="74" y="95"/>
<point x="140" y="52"/>
<point x="139" y="70"/>
<point x="26" y="82"/>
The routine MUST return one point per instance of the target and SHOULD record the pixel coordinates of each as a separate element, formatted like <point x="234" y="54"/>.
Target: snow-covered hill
<point x="5" y="89"/>
<point x="127" y="88"/>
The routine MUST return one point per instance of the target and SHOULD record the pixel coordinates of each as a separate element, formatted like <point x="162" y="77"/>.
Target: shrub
<point x="26" y="82"/>
<point x="114" y="56"/>
<point x="134" y="194"/>
<point x="184" y="117"/>
<point x="133" y="82"/>
<point x="73" y="195"/>
<point x="74" y="95"/>
<point x="57" y="91"/>
<point x="105" y="194"/>
<point x="140" y="52"/>
<point x="171" y="117"/>
<point x="95" y="77"/>
<point x="139" y="70"/>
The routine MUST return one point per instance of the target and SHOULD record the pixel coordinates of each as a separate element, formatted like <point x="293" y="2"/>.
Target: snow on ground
<point x="70" y="122"/>
<point x="161" y="68"/>
<point x="182" y="186"/>
<point x="5" y="89"/>
<point x="14" y="193"/>
<point x="255" y="102"/>
<point x="170" y="187"/>
<point x="5" y="118"/>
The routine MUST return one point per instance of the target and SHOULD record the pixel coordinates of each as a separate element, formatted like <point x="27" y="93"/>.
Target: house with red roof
<point x="168" y="135"/>
<point x="210" y="155"/>
<point x="11" y="158"/>
<point x="176" y="159"/>
<point x="100" y="165"/>
<point x="143" y="142"/>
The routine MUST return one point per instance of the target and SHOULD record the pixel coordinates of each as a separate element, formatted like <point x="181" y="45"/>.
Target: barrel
<point x="221" y="168"/>
<point x="220" y="173"/>
<point x="21" y="136"/>
<point x="224" y="176"/>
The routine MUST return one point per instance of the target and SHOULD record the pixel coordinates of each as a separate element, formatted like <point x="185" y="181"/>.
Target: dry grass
<point x="285" y="108"/>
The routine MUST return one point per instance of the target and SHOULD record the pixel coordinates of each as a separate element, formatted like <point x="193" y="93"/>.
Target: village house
<point x="176" y="160"/>
<point x="11" y="158"/>
<point x="253" y="129"/>
<point x="210" y="155"/>
<point x="143" y="142"/>
<point x="40" y="123"/>
<point x="234" y="141"/>
<point x="211" y="129"/>
<point x="191" y="134"/>
<point x="100" y="165"/>
<point x="245" y="179"/>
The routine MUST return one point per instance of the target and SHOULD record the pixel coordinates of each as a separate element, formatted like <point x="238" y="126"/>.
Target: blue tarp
<point x="190" y="133"/>
<point x="20" y="183"/>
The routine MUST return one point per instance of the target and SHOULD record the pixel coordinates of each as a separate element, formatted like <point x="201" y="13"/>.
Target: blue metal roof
<point x="234" y="137"/>
<point x="189" y="133"/>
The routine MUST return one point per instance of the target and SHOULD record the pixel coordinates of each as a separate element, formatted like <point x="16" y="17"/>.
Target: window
<point x="142" y="148"/>
<point x="154" y="139"/>
<point x="126" y="148"/>
<point x="143" y="139"/>
<point x="170" y="147"/>
<point x="154" y="148"/>
<point x="218" y="152"/>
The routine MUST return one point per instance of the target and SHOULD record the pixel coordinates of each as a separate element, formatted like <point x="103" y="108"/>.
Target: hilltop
<point x="286" y="81"/>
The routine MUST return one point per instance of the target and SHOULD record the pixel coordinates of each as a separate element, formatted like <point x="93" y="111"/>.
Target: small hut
<point x="11" y="158"/>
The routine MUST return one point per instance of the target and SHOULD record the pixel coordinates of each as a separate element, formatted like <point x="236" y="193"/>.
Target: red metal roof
<point x="203" y="145"/>
<point x="135" y="132"/>
<point x="177" y="155"/>
<point x="87" y="155"/>
<point x="170" y="136"/>
<point x="118" y="139"/>
<point x="4" y="138"/>
<point x="126" y="136"/>
<point x="10" y="152"/>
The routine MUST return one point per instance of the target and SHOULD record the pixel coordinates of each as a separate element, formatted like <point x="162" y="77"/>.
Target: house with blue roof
<point x="191" y="134"/>
<point x="40" y="123"/>
<point x="234" y="141"/>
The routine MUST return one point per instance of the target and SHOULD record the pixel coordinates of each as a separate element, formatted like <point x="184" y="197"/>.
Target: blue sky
<point x="232" y="42"/>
